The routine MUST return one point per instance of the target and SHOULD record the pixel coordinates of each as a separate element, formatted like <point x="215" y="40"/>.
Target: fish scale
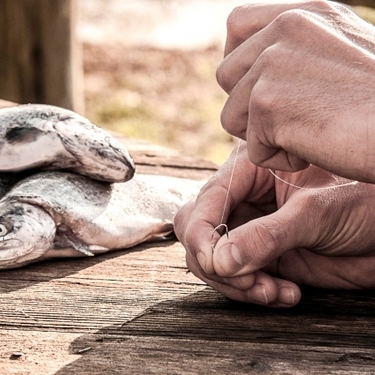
<point x="95" y="207"/>
<point x="90" y="217"/>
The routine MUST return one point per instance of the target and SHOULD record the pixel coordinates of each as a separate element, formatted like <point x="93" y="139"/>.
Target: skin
<point x="297" y="75"/>
<point x="280" y="236"/>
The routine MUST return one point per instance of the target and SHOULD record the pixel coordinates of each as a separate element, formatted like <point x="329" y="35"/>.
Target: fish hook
<point x="216" y="230"/>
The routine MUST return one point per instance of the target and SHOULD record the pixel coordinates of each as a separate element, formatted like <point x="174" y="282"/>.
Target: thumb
<point x="255" y="244"/>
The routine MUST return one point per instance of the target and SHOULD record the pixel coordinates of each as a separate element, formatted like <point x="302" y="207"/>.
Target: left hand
<point x="280" y="236"/>
<point x="299" y="77"/>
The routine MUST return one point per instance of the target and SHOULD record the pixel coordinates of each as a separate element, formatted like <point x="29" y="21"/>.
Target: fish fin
<point x="161" y="231"/>
<point x="72" y="240"/>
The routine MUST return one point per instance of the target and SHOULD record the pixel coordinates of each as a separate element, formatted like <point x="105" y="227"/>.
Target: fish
<point x="39" y="136"/>
<point x="55" y="214"/>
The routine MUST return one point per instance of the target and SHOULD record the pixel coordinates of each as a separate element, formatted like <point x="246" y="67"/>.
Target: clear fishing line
<point x="318" y="188"/>
<point x="223" y="225"/>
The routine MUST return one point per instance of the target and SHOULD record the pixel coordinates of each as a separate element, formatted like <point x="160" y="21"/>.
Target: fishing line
<point x="223" y="225"/>
<point x="318" y="188"/>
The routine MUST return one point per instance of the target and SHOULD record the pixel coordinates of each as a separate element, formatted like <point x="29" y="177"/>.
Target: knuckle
<point x="234" y="121"/>
<point x="320" y="6"/>
<point x="235" y="20"/>
<point x="226" y="119"/>
<point x="268" y="238"/>
<point x="290" y="21"/>
<point x="190" y="240"/>
<point x="224" y="76"/>
<point x="262" y="101"/>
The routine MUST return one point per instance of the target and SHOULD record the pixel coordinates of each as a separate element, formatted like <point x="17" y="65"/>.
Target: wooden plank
<point x="34" y="352"/>
<point x="157" y="355"/>
<point x="153" y="159"/>
<point x="80" y="295"/>
<point x="138" y="311"/>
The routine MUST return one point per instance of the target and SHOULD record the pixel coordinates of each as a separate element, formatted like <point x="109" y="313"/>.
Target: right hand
<point x="280" y="236"/>
<point x="300" y="78"/>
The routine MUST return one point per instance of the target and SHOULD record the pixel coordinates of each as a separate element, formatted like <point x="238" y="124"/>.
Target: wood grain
<point x="139" y="311"/>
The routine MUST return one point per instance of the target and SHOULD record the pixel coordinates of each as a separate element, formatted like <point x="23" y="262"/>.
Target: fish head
<point x="26" y="233"/>
<point x="54" y="138"/>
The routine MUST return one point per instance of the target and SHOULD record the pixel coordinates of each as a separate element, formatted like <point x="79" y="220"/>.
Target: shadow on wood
<point x="205" y="333"/>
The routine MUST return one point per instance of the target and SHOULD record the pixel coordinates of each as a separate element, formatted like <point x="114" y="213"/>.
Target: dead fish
<point x="47" y="137"/>
<point x="60" y="214"/>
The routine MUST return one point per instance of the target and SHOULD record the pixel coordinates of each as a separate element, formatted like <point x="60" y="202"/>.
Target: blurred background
<point x="144" y="68"/>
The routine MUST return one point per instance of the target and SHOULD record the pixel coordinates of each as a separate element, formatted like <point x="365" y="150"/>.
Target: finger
<point x="259" y="287"/>
<point x="236" y="64"/>
<point x="267" y="291"/>
<point x="195" y="224"/>
<point x="267" y="51"/>
<point x="247" y="20"/>
<point x="308" y="268"/>
<point x="257" y="243"/>
<point x="255" y="101"/>
<point x="238" y="76"/>
<point x="263" y="154"/>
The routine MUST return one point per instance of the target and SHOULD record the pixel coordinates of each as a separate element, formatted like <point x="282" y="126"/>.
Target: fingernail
<point x="257" y="294"/>
<point x="287" y="295"/>
<point x="202" y="260"/>
<point x="229" y="260"/>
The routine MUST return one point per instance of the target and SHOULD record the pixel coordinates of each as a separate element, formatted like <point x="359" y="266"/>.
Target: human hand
<point x="280" y="236"/>
<point x="300" y="83"/>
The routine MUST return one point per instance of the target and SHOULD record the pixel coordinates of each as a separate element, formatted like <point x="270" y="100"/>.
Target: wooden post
<point x="40" y="59"/>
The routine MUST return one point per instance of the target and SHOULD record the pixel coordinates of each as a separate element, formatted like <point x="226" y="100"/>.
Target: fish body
<point x="89" y="217"/>
<point x="48" y="137"/>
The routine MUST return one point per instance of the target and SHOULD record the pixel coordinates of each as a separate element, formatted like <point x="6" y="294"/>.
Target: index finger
<point x="235" y="181"/>
<point x="195" y="222"/>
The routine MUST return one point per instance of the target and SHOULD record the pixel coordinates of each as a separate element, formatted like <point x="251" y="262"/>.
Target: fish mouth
<point x="101" y="156"/>
<point x="12" y="249"/>
<point x="29" y="233"/>
<point x="122" y="167"/>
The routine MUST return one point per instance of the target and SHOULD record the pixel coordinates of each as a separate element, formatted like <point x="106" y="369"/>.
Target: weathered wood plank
<point x="40" y="352"/>
<point x="140" y="308"/>
<point x="138" y="311"/>
<point x="157" y="355"/>
<point x="153" y="159"/>
<point x="80" y="295"/>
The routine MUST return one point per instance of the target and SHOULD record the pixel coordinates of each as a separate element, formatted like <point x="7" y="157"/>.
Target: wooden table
<point x="140" y="312"/>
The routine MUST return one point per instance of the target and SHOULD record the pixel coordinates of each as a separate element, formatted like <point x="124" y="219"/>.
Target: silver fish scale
<point x="107" y="216"/>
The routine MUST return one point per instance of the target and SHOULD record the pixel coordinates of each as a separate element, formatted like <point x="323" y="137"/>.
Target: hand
<point x="280" y="236"/>
<point x="300" y="83"/>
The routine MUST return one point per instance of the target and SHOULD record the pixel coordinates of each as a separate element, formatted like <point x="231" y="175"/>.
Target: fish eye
<point x="3" y="230"/>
